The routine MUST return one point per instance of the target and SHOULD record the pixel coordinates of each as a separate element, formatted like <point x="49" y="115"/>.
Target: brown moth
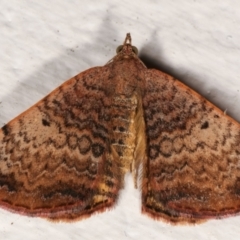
<point x="65" y="157"/>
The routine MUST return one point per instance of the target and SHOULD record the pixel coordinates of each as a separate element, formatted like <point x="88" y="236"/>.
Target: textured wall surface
<point x="44" y="43"/>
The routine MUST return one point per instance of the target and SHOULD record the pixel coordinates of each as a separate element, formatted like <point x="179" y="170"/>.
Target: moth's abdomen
<point x="123" y="140"/>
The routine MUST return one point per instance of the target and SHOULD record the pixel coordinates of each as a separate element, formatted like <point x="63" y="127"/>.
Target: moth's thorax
<point x="128" y="75"/>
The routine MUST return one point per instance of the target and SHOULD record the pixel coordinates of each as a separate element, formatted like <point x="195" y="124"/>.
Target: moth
<point x="65" y="158"/>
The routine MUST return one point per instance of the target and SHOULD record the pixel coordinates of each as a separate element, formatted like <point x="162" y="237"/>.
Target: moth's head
<point x="127" y="49"/>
